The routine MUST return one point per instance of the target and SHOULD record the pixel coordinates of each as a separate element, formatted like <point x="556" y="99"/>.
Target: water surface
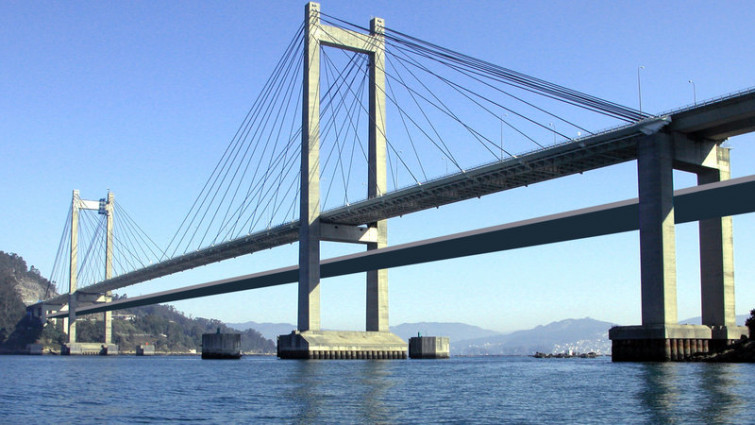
<point x="494" y="390"/>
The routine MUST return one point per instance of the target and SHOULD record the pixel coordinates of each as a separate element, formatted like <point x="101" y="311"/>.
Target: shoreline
<point x="742" y="351"/>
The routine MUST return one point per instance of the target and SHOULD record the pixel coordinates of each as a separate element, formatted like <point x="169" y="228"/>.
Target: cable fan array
<point x="446" y="112"/>
<point x="132" y="249"/>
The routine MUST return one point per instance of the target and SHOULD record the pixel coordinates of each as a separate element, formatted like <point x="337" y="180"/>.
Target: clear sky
<point x="142" y="98"/>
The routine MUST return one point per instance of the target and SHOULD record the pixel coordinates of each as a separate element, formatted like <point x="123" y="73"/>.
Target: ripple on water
<point x="497" y="390"/>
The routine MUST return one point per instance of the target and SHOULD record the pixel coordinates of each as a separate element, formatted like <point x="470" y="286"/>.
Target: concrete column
<point x="657" y="238"/>
<point x="717" y="256"/>
<point x="309" y="217"/>
<point x="377" y="280"/>
<point x="108" y="315"/>
<point x="317" y="35"/>
<point x="73" y="267"/>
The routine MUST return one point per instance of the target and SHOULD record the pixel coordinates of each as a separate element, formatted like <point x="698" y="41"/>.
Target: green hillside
<point x="166" y="328"/>
<point x="16" y="283"/>
<point x="169" y="330"/>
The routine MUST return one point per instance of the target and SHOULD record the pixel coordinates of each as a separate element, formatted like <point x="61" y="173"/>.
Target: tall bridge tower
<point x="309" y="341"/>
<point x="104" y="207"/>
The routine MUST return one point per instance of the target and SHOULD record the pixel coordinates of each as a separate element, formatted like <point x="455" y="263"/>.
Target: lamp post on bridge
<point x="639" y="86"/>
<point x="501" y="137"/>
<point x="502" y="121"/>
<point x="694" y="92"/>
<point x="553" y="128"/>
<point x="395" y="167"/>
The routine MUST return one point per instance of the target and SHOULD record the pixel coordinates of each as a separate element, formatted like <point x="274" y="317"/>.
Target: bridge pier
<point x="107" y="320"/>
<point x="717" y="265"/>
<point x="341" y="345"/>
<point x="660" y="337"/>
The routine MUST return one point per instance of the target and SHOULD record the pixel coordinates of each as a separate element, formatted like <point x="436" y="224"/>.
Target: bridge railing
<point x="710" y="101"/>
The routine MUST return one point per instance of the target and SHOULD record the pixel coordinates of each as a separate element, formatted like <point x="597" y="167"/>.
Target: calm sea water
<point x="498" y="390"/>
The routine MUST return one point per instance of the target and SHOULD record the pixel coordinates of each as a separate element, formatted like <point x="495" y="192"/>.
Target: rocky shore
<point x="739" y="352"/>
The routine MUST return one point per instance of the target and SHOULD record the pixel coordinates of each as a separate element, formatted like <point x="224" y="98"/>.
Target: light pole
<point x="639" y="86"/>
<point x="395" y="177"/>
<point x="694" y="91"/>
<point x="502" y="121"/>
<point x="553" y="128"/>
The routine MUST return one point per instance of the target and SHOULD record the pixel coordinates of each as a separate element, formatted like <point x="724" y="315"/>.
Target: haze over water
<point x="500" y="390"/>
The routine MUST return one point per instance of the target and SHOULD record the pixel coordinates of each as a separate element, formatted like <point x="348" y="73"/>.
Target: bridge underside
<point x="732" y="197"/>
<point x="595" y="152"/>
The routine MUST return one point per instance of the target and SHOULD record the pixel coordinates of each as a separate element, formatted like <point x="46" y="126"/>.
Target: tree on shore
<point x="750" y="323"/>
<point x="12" y="309"/>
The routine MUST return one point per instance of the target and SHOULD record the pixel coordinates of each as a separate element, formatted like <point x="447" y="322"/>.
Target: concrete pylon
<point x="309" y="341"/>
<point x="312" y="231"/>
<point x="104" y="207"/>
<point x="657" y="235"/>
<point x="377" y="280"/>
<point x="717" y="261"/>
<point x="73" y="272"/>
<point x="108" y="211"/>
<point x="309" y="215"/>
<point x="656" y="339"/>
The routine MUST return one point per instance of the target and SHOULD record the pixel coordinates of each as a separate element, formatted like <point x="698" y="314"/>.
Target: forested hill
<point x="169" y="330"/>
<point x="19" y="286"/>
<point x="28" y="282"/>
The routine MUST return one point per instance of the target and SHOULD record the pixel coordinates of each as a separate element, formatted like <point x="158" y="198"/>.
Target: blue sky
<point x="143" y="97"/>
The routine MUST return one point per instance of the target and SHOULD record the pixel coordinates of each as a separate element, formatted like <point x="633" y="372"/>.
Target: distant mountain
<point x="455" y="331"/>
<point x="268" y="330"/>
<point x="699" y="320"/>
<point x="578" y="335"/>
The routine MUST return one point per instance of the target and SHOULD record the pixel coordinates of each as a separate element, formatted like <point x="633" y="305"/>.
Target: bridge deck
<point x="725" y="198"/>
<point x="715" y="120"/>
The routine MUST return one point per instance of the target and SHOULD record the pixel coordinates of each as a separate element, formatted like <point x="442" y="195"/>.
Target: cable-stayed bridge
<point x="258" y="180"/>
